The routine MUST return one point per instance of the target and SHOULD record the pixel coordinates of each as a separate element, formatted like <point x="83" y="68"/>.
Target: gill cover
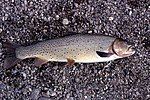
<point x="122" y="48"/>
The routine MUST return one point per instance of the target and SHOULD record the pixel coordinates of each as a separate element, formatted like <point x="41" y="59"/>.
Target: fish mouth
<point x="130" y="51"/>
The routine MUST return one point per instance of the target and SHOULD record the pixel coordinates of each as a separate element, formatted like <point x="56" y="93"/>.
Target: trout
<point x="81" y="48"/>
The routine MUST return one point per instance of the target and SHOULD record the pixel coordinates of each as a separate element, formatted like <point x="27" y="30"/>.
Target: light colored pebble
<point x="111" y="18"/>
<point x="90" y="31"/>
<point x="65" y="21"/>
<point x="57" y="17"/>
<point x="24" y="75"/>
<point x="53" y="94"/>
<point x="130" y="13"/>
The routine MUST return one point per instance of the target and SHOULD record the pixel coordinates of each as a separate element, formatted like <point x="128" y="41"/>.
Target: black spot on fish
<point x="74" y="56"/>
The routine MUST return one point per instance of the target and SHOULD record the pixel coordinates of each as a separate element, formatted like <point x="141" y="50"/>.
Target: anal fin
<point x="70" y="62"/>
<point x="40" y="61"/>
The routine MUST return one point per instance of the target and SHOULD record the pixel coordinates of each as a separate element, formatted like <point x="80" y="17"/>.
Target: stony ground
<point x="27" y="23"/>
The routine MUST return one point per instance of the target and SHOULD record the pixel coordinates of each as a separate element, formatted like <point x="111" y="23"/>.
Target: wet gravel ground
<point x="28" y="22"/>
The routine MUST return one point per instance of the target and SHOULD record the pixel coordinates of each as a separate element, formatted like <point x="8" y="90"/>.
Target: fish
<point x="80" y="48"/>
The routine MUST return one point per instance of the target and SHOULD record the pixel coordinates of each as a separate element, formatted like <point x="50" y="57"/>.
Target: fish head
<point x="122" y="49"/>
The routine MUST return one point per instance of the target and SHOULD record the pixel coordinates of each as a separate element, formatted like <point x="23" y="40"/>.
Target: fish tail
<point x="10" y="55"/>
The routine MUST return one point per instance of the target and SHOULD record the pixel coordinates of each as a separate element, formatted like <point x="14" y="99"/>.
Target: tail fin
<point x="10" y="56"/>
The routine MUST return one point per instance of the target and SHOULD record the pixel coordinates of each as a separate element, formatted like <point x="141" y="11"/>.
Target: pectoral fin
<point x="104" y="54"/>
<point x="70" y="62"/>
<point x="40" y="61"/>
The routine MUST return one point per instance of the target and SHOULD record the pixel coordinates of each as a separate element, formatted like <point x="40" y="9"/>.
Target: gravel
<point x="28" y="22"/>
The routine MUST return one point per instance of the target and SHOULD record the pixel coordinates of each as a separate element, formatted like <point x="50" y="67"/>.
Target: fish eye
<point x="129" y="47"/>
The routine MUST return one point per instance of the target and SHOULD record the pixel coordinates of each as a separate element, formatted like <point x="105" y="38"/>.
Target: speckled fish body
<point x="81" y="48"/>
<point x="76" y="48"/>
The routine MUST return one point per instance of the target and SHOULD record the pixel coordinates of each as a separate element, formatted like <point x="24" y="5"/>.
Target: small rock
<point x="90" y="31"/>
<point x="35" y="94"/>
<point x="1" y="30"/>
<point x="130" y="13"/>
<point x="2" y="86"/>
<point x="24" y="75"/>
<point x="85" y="97"/>
<point x="53" y="94"/>
<point x="57" y="17"/>
<point x="111" y="18"/>
<point x="65" y="21"/>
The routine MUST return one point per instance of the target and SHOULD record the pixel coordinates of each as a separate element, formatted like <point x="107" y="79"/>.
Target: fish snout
<point x="130" y="50"/>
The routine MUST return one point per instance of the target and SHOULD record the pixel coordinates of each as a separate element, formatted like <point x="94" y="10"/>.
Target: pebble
<point x="35" y="94"/>
<point x="57" y="17"/>
<point x="53" y="94"/>
<point x="24" y="75"/>
<point x="1" y="30"/>
<point x="130" y="13"/>
<point x="65" y="21"/>
<point x="111" y="18"/>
